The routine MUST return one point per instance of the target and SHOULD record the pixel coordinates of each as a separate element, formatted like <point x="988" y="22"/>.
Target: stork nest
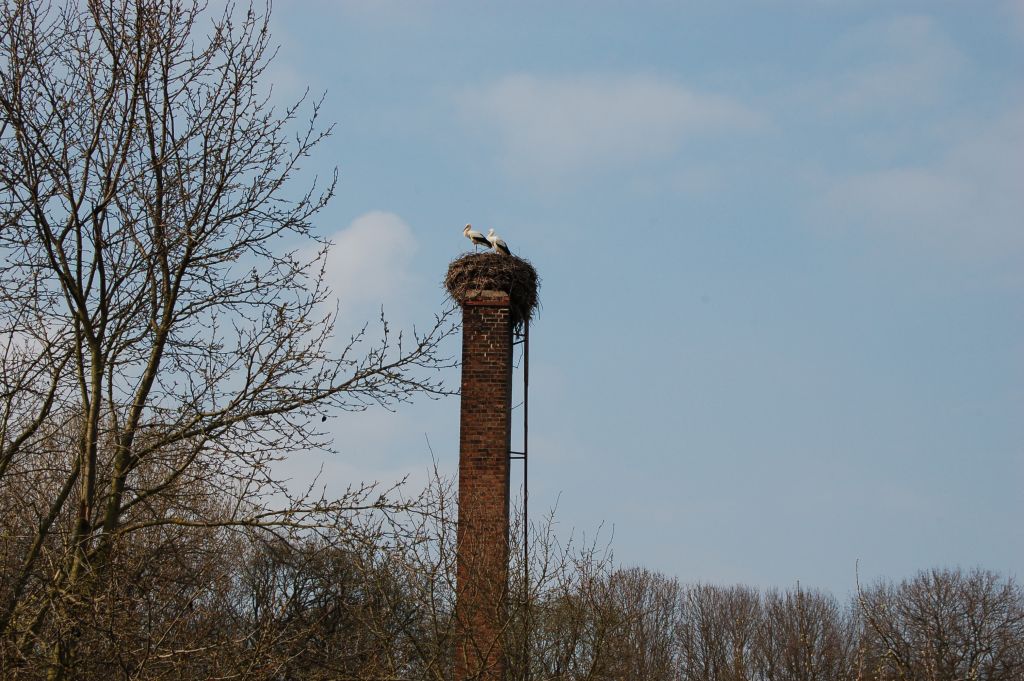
<point x="473" y="273"/>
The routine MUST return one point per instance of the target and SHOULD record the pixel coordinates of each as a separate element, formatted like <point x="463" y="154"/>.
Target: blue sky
<point x="780" y="245"/>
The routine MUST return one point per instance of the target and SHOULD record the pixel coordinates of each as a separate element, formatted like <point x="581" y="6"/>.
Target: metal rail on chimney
<point x="522" y="456"/>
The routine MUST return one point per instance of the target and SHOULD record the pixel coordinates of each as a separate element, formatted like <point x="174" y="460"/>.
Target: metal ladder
<point x="524" y="340"/>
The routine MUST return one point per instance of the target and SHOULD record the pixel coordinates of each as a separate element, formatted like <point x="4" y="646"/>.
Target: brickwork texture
<point x="483" y="530"/>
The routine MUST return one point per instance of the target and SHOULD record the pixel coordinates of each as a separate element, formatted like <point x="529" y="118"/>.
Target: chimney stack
<point x="497" y="293"/>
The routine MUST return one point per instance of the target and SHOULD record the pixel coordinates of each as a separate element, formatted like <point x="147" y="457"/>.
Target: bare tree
<point x="645" y="643"/>
<point x="718" y="631"/>
<point x="573" y="617"/>
<point x="944" y="625"/>
<point x="161" y="297"/>
<point x="804" y="635"/>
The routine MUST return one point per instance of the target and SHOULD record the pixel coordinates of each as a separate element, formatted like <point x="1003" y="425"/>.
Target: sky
<point x="780" y="245"/>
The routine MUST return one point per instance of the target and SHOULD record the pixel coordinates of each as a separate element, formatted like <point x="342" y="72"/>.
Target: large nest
<point x="473" y="273"/>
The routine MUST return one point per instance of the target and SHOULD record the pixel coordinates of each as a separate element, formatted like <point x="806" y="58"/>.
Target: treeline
<point x="375" y="600"/>
<point x="940" y="625"/>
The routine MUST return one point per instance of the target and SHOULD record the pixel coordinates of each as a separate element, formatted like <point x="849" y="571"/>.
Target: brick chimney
<point x="497" y="293"/>
<point x="484" y="442"/>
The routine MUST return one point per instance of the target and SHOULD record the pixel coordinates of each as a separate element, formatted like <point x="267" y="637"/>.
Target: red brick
<point x="484" y="442"/>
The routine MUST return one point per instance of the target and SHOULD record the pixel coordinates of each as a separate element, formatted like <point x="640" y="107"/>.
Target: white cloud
<point x="907" y="61"/>
<point x="557" y="126"/>
<point x="967" y="203"/>
<point x="370" y="262"/>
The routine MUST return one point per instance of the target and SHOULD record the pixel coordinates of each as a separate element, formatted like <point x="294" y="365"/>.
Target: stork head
<point x="468" y="227"/>
<point x="490" y="232"/>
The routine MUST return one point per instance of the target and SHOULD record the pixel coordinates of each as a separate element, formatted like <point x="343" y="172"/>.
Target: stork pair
<point x="492" y="240"/>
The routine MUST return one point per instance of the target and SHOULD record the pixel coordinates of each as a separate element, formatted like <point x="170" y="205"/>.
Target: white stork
<point x="476" y="237"/>
<point x="497" y="243"/>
